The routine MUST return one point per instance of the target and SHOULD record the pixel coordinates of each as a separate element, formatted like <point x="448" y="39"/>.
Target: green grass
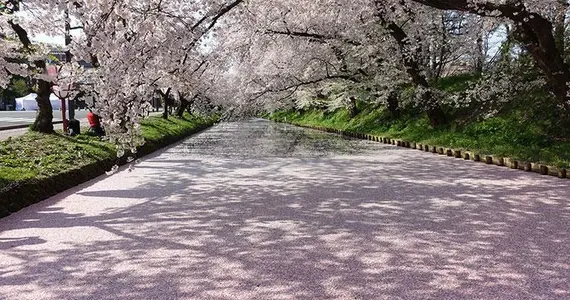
<point x="457" y="83"/>
<point x="36" y="155"/>
<point x="507" y="136"/>
<point x="157" y="128"/>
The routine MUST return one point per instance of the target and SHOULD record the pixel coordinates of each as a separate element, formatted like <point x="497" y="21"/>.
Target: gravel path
<point x="257" y="210"/>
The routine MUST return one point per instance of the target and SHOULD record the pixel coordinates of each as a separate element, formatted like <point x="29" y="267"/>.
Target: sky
<point x="57" y="39"/>
<point x="52" y="40"/>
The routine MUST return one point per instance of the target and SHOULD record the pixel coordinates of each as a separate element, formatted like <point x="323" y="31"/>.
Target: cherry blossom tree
<point x="251" y="55"/>
<point x="302" y="44"/>
<point x="534" y="26"/>
<point x="25" y="59"/>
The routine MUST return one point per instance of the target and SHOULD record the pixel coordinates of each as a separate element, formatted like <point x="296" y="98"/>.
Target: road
<point x="258" y="210"/>
<point x="15" y="118"/>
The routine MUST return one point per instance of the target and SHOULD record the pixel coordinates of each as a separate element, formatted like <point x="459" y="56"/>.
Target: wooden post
<point x="457" y="154"/>
<point x="499" y="161"/>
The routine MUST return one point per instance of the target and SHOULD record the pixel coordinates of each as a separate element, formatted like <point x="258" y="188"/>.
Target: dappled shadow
<point x="259" y="210"/>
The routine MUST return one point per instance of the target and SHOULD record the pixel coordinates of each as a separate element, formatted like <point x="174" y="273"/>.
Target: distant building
<point x="56" y="57"/>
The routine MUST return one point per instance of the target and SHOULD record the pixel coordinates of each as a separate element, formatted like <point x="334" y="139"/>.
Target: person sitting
<point x="95" y="123"/>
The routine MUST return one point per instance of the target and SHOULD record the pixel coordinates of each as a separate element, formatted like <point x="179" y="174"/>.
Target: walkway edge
<point x="18" y="195"/>
<point x="12" y="127"/>
<point x="456" y="153"/>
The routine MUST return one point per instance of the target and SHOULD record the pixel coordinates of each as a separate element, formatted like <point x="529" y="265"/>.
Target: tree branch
<point x="22" y="34"/>
<point x="316" y="37"/>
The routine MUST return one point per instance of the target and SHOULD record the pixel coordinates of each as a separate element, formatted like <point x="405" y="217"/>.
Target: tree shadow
<point x="291" y="220"/>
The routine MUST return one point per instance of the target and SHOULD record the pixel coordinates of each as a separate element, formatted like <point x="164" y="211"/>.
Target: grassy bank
<point x="35" y="166"/>
<point x="503" y="135"/>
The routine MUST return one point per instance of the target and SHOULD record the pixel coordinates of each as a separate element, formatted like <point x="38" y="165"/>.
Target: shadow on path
<point x="264" y="211"/>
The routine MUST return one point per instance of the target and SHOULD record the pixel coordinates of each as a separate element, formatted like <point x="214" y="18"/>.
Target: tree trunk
<point x="185" y="104"/>
<point x="165" y="112"/>
<point x="435" y="113"/>
<point x="165" y="98"/>
<point x="393" y="104"/>
<point x="352" y="109"/>
<point x="480" y="60"/>
<point x="436" y="116"/>
<point x="507" y="45"/>
<point x="560" y="26"/>
<point x="44" y="118"/>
